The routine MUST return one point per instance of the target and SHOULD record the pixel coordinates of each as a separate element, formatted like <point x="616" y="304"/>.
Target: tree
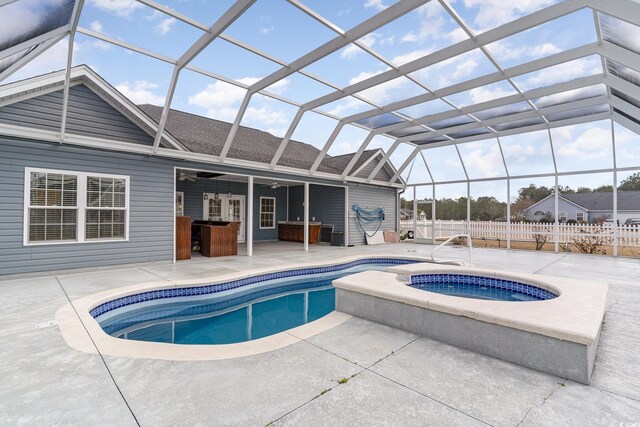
<point x="534" y="193"/>
<point x="632" y="183"/>
<point x="604" y="189"/>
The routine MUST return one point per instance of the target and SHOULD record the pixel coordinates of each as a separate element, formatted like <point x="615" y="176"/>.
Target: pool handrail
<point x="455" y="236"/>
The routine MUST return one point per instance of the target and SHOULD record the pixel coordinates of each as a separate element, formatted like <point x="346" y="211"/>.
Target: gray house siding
<point x="382" y="175"/>
<point x="152" y="212"/>
<point x="326" y="204"/>
<point x="370" y="197"/>
<point x="548" y="205"/>
<point x="88" y="115"/>
<point x="150" y="219"/>
<point x="193" y="192"/>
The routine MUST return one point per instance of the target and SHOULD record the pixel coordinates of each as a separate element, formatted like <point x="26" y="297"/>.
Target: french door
<point x="225" y="209"/>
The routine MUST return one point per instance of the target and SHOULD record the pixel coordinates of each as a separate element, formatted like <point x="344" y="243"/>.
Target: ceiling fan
<point x="185" y="176"/>
<point x="274" y="185"/>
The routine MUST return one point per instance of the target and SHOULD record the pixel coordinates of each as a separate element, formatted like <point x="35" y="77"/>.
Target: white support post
<point x="556" y="220"/>
<point x="615" y="192"/>
<point x="433" y="215"/>
<point x="67" y="74"/>
<point x="306" y="216"/>
<point x="415" y="213"/>
<point x="249" y="219"/>
<point x="346" y="216"/>
<point x="468" y="231"/>
<point x="508" y="213"/>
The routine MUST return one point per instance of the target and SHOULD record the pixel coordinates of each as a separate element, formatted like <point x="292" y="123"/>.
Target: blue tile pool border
<point x="234" y="284"/>
<point x="481" y="281"/>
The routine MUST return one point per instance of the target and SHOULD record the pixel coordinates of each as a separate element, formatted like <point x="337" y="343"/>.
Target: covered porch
<point x="269" y="213"/>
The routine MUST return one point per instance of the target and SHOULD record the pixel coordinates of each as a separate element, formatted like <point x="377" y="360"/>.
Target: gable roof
<point x="183" y="131"/>
<point x="208" y="136"/>
<point x="627" y="200"/>
<point x="106" y="96"/>
<point x="599" y="201"/>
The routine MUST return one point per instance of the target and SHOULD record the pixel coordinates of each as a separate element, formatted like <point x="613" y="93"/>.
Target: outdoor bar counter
<point x="293" y="231"/>
<point x="219" y="238"/>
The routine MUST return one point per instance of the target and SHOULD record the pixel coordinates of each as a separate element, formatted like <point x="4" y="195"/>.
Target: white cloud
<point x="505" y="51"/>
<point x="492" y="13"/>
<point x="410" y="56"/>
<point x="483" y="94"/>
<point x="96" y="26"/>
<point x="265" y="30"/>
<point x="543" y="50"/>
<point x="563" y="72"/>
<point x="141" y="92"/>
<point x="117" y="7"/>
<point x="165" y="26"/>
<point x="578" y="142"/>
<point x="432" y="21"/>
<point x="220" y="99"/>
<point x="352" y="50"/>
<point x="375" y="4"/>
<point x="465" y="69"/>
<point x="483" y="159"/>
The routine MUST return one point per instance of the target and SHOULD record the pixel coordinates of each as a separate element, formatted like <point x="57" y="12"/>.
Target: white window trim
<point x="274" y="214"/>
<point x="81" y="207"/>
<point x="580" y="213"/>
<point x="561" y="215"/>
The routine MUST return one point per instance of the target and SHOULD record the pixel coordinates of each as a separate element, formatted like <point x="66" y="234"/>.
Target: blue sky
<point x="283" y="32"/>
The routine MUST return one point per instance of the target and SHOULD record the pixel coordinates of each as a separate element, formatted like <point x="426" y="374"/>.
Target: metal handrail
<point x="455" y="236"/>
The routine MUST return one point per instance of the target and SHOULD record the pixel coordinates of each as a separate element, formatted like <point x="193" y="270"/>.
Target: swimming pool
<point x="231" y="312"/>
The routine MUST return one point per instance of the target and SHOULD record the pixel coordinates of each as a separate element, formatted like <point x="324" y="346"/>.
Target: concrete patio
<point x="358" y="373"/>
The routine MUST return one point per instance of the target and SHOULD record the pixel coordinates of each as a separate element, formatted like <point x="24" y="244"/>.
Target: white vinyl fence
<point x="523" y="231"/>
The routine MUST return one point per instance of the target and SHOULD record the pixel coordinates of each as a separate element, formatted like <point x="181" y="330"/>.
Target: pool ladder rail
<point x="453" y="261"/>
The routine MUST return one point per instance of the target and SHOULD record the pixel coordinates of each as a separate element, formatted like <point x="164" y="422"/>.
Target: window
<point x="267" y="212"/>
<point x="105" y="207"/>
<point x="179" y="203"/>
<point x="68" y="207"/>
<point x="563" y="217"/>
<point x="52" y="207"/>
<point x="579" y="216"/>
<point x="215" y="209"/>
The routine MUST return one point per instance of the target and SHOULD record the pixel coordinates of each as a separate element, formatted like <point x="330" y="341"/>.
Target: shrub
<point x="572" y="221"/>
<point x="541" y="239"/>
<point x="592" y="243"/>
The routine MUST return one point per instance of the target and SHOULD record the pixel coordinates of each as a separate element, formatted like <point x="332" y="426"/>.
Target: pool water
<point x="479" y="287"/>
<point x="242" y="316"/>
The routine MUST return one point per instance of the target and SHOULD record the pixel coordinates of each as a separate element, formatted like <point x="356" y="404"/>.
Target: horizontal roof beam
<point x="490" y="36"/>
<point x="518" y="70"/>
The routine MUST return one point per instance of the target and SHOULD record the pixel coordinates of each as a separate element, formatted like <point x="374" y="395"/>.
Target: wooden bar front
<point x="219" y="239"/>
<point x="183" y="237"/>
<point x="294" y="232"/>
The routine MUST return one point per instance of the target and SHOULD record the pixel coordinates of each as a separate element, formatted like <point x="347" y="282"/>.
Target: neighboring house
<point x="587" y="207"/>
<point x="406" y="214"/>
<point x="105" y="195"/>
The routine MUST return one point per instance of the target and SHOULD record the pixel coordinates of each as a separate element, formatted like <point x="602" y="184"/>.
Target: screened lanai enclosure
<point x="517" y="122"/>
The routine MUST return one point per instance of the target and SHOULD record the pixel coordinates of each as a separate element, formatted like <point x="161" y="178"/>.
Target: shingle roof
<point x="627" y="200"/>
<point x="208" y="136"/>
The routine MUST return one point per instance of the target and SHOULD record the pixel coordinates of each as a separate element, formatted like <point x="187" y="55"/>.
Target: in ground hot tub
<point x="545" y="323"/>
